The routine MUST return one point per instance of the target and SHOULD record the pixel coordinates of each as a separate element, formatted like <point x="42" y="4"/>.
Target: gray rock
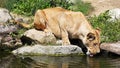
<point x="114" y="14"/>
<point x="4" y="15"/>
<point x="59" y="42"/>
<point x="48" y="50"/>
<point x="7" y="19"/>
<point x="7" y="28"/>
<point x="111" y="47"/>
<point x="40" y="36"/>
<point x="8" y="41"/>
<point x="5" y="39"/>
<point x="21" y="18"/>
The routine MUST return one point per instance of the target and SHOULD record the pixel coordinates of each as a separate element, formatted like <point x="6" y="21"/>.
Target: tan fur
<point x="67" y="24"/>
<point x="22" y="24"/>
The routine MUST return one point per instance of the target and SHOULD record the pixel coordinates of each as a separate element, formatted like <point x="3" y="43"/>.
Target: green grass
<point x="110" y="31"/>
<point x="29" y="7"/>
<point x="18" y="34"/>
<point x="7" y="4"/>
<point x="84" y="7"/>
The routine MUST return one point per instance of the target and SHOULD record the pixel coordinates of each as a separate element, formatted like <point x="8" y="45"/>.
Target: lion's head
<point x="92" y="42"/>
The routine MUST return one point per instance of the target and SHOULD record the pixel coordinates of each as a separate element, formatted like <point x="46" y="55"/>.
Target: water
<point x="103" y="61"/>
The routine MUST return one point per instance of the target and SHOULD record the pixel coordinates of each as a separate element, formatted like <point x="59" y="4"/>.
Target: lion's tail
<point x="22" y="24"/>
<point x="26" y="25"/>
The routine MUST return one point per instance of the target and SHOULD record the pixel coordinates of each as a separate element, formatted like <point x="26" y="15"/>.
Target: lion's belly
<point x="55" y="29"/>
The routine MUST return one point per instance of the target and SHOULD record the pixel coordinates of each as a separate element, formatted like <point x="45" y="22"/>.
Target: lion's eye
<point x="95" y="44"/>
<point x="91" y="36"/>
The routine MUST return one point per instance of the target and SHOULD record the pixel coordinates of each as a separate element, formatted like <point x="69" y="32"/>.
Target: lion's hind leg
<point x="40" y="20"/>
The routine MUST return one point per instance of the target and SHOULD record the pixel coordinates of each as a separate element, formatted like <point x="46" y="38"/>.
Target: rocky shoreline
<point x="53" y="50"/>
<point x="42" y="43"/>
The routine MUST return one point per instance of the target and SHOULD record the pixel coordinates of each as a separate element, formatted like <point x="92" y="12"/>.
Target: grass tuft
<point x="110" y="31"/>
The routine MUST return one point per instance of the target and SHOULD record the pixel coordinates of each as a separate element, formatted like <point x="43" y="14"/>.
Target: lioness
<point x="67" y="24"/>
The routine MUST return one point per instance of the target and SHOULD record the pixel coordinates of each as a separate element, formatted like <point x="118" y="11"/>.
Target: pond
<point x="102" y="61"/>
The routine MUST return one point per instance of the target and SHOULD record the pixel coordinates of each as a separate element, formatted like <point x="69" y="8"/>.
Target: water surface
<point x="11" y="61"/>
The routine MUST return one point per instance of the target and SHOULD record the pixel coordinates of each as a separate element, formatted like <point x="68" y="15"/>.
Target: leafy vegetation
<point x="29" y="7"/>
<point x="7" y="4"/>
<point x="110" y="31"/>
<point x="18" y="33"/>
<point x="84" y="7"/>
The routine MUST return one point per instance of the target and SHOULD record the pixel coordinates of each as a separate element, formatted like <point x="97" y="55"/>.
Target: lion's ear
<point x="98" y="30"/>
<point x="42" y="17"/>
<point x="90" y="36"/>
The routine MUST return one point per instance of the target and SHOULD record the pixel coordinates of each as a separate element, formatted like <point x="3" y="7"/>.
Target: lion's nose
<point x="93" y="52"/>
<point x="98" y="51"/>
<point x="89" y="54"/>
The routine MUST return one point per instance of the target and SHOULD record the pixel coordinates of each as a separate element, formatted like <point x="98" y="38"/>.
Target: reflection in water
<point x="58" y="62"/>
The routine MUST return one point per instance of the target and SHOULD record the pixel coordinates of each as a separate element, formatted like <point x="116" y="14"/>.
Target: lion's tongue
<point x="91" y="55"/>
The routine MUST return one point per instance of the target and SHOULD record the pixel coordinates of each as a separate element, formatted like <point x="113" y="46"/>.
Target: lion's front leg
<point x="62" y="20"/>
<point x="65" y="37"/>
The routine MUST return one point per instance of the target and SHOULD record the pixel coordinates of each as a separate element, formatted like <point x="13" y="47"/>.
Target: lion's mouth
<point x="91" y="55"/>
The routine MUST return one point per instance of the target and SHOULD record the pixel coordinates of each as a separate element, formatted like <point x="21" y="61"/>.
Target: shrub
<point x="7" y="4"/>
<point x="110" y="31"/>
<point x="1" y="3"/>
<point x="84" y="7"/>
<point x="28" y="7"/>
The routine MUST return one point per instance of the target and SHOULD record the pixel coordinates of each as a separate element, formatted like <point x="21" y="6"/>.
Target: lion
<point x="67" y="24"/>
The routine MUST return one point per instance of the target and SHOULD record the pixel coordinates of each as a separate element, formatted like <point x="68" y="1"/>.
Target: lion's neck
<point x="85" y="29"/>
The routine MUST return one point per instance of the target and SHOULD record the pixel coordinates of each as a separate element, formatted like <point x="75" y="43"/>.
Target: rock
<point x="111" y="47"/>
<point x="6" y="64"/>
<point x="114" y="14"/>
<point x="48" y="50"/>
<point x="4" y="15"/>
<point x="40" y="36"/>
<point x="8" y="41"/>
<point x="59" y="42"/>
<point x="22" y="19"/>
<point x="100" y="6"/>
<point x="7" y="28"/>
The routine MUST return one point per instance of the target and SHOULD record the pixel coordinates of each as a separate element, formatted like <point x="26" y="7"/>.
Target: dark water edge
<point x="8" y="60"/>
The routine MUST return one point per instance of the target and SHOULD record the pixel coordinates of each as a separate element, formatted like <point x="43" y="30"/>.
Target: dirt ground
<point x="103" y="5"/>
